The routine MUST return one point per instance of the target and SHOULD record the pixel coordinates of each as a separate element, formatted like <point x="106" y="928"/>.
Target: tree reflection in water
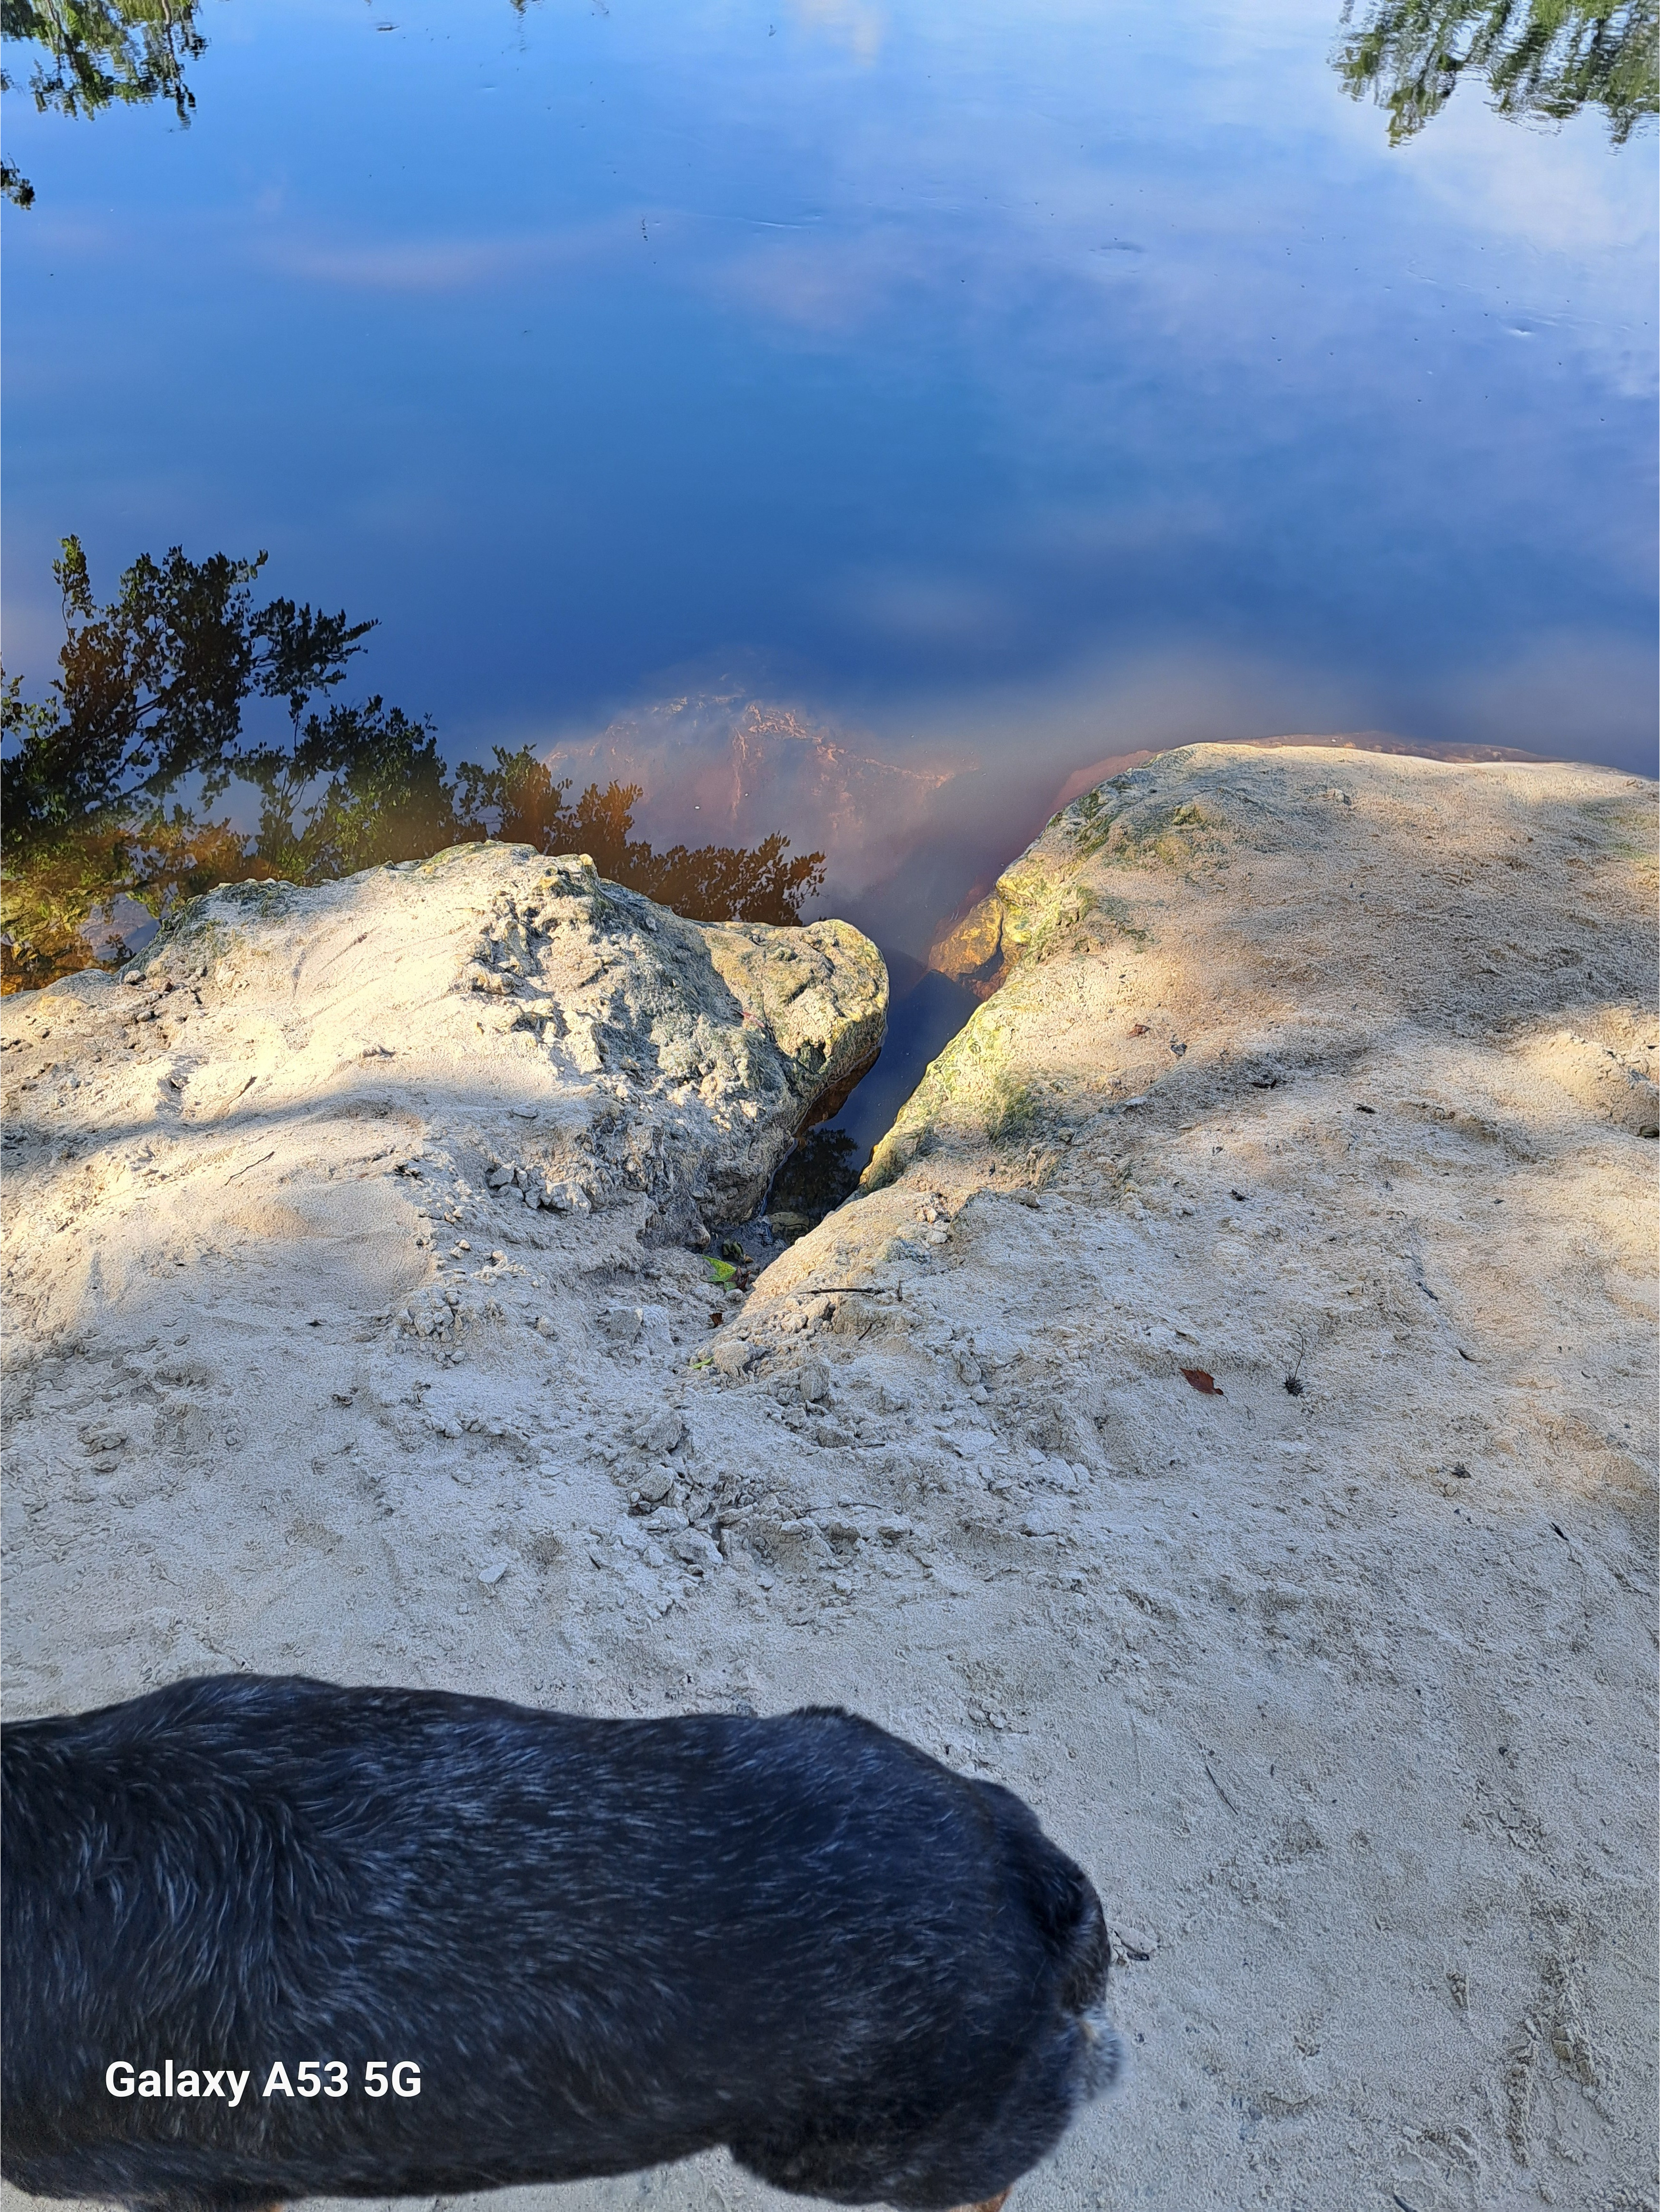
<point x="100" y="53"/>
<point x="106" y="782"/>
<point x="1543" y="59"/>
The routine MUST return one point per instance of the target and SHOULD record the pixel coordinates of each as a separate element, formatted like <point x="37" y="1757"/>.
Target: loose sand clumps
<point x="1228" y="1417"/>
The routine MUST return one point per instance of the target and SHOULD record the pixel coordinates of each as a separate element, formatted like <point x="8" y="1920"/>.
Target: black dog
<point x="590" y="1945"/>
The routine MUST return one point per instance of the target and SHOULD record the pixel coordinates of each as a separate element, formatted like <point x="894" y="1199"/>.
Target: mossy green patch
<point x="1013" y="1110"/>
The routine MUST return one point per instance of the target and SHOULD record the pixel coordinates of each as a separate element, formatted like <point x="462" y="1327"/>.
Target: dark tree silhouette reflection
<point x="107" y="783"/>
<point x="1543" y="60"/>
<point x="709" y="883"/>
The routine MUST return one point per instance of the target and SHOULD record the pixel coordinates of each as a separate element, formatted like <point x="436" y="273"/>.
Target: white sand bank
<point x="1330" y="1066"/>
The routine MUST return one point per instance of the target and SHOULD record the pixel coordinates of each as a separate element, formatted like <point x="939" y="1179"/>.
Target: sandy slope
<point x="1325" y="1067"/>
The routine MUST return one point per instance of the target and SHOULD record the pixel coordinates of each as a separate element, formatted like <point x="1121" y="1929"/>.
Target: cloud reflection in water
<point x="1013" y="387"/>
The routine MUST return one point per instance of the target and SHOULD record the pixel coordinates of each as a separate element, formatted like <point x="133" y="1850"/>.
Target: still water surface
<point x="853" y="417"/>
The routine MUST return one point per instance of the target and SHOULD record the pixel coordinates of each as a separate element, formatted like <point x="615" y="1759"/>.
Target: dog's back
<point x="604" y="1944"/>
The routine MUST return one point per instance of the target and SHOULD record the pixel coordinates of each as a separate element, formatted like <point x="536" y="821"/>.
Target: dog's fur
<point x="605" y="1944"/>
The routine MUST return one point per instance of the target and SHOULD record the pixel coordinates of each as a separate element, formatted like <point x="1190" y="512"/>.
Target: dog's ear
<point x="1060" y="1893"/>
<point x="1065" y="1909"/>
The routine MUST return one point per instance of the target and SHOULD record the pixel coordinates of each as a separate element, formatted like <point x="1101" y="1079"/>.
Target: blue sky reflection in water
<point x="1001" y="387"/>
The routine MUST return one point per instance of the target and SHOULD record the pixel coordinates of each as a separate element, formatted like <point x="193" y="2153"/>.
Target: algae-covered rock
<point x="1114" y="937"/>
<point x="1042" y="896"/>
